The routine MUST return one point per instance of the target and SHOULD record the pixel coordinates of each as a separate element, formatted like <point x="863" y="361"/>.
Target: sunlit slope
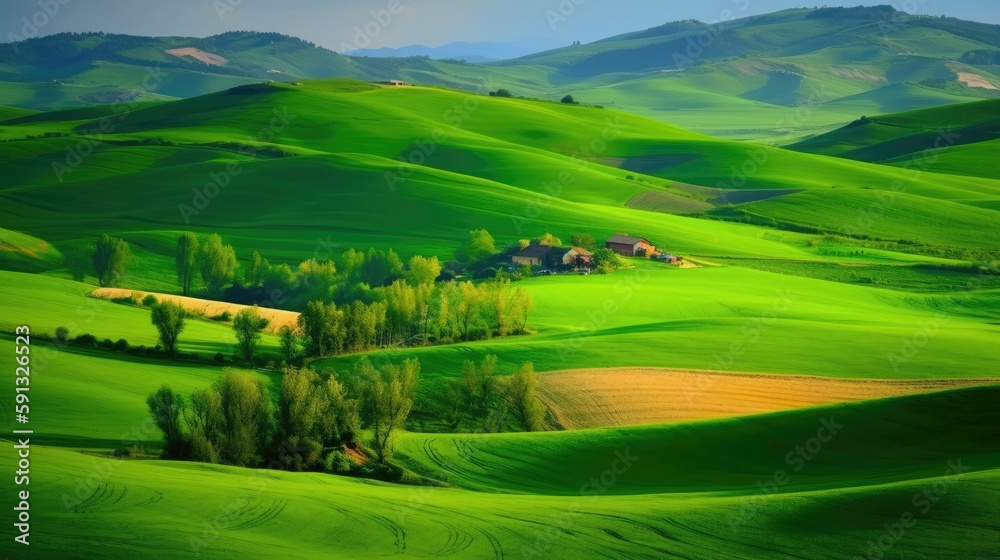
<point x="325" y="155"/>
<point x="731" y="319"/>
<point x="309" y="515"/>
<point x="869" y="442"/>
<point x="885" y="137"/>
<point x="965" y="159"/>
<point x="45" y="304"/>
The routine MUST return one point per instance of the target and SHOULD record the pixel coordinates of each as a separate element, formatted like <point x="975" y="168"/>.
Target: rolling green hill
<point x="800" y="263"/>
<point x="426" y="161"/>
<point x="914" y="134"/>
<point x="829" y="506"/>
<point x="780" y="76"/>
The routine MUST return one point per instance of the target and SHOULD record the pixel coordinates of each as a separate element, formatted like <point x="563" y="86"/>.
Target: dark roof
<point x="534" y="251"/>
<point x="626" y="239"/>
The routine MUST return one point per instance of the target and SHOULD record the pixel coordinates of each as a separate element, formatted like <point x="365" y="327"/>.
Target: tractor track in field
<point x="498" y="552"/>
<point x="108" y="497"/>
<point x="395" y="528"/>
<point x="258" y="513"/>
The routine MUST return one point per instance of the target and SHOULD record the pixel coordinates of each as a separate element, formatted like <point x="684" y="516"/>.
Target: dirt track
<point x="590" y="398"/>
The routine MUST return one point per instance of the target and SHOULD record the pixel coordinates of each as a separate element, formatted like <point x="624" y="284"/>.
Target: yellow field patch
<point x="592" y="398"/>
<point x="205" y="307"/>
<point x="975" y="80"/>
<point x="200" y="55"/>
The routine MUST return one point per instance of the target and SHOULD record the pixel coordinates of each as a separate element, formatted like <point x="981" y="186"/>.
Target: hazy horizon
<point x="525" y="23"/>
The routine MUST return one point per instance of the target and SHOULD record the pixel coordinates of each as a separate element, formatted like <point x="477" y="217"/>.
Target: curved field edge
<point x="605" y="397"/>
<point x="851" y="444"/>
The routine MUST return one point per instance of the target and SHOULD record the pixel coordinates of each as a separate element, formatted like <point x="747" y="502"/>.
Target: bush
<point x="107" y="343"/>
<point x="219" y="357"/>
<point x="86" y="340"/>
<point x="121" y="345"/>
<point x="224" y="317"/>
<point x="149" y="300"/>
<point x="130" y="452"/>
<point x="486" y="273"/>
<point x="62" y="335"/>
<point x="127" y="300"/>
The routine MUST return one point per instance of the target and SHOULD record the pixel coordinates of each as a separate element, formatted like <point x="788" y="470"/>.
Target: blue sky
<point x="334" y="23"/>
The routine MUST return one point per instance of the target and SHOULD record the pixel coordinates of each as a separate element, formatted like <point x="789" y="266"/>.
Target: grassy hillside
<point x="780" y="76"/>
<point x="800" y="264"/>
<point x="304" y="515"/>
<point x="684" y="457"/>
<point x="922" y="134"/>
<point x="518" y="168"/>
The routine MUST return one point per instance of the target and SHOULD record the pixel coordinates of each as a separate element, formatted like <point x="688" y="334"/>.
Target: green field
<point x="813" y="261"/>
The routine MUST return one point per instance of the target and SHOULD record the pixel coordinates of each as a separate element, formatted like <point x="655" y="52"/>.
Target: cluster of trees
<point x="108" y="260"/>
<point x="234" y="421"/>
<point x="169" y="319"/>
<point x="215" y="264"/>
<point x="607" y="261"/>
<point x="214" y="261"/>
<point x="483" y="401"/>
<point x="415" y="311"/>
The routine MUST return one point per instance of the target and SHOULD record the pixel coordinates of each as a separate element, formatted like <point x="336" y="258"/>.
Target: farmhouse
<point x="538" y="254"/>
<point x="575" y="257"/>
<point x="532" y="255"/>
<point x="397" y="83"/>
<point x="630" y="246"/>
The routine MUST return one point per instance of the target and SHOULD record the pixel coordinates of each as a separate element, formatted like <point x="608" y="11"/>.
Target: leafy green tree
<point x="422" y="270"/>
<point x="607" y="261"/>
<point x="482" y="394"/>
<point x="317" y="278"/>
<point x="301" y="404"/>
<point x="322" y="326"/>
<point x="218" y="264"/>
<point x="341" y="420"/>
<point x="583" y="240"/>
<point x="388" y="400"/>
<point x="568" y="99"/>
<point x="351" y="262"/>
<point x="469" y="307"/>
<point x="168" y="317"/>
<point x="478" y="246"/>
<point x="112" y="257"/>
<point x="289" y="341"/>
<point x="79" y="261"/>
<point x="248" y="324"/>
<point x="206" y="424"/>
<point x="280" y="279"/>
<point x="246" y="414"/>
<point x="186" y="260"/>
<point x="380" y="268"/>
<point x="527" y="409"/>
<point x="550" y="240"/>
<point x="166" y="409"/>
<point x="253" y="275"/>
<point x="520" y="305"/>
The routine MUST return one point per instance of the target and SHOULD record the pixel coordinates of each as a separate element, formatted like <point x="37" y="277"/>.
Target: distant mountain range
<point x="841" y="63"/>
<point x="470" y="52"/>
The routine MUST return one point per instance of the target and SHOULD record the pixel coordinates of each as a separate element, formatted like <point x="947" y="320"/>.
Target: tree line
<point x="414" y="314"/>
<point x="318" y="415"/>
<point x="234" y="422"/>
